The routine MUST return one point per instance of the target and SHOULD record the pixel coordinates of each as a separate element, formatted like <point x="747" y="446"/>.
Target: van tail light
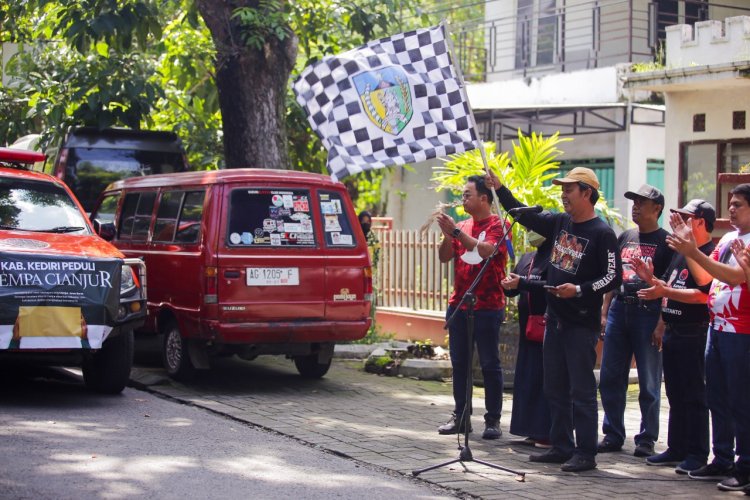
<point x="212" y="285"/>
<point x="62" y="160"/>
<point x="367" y="273"/>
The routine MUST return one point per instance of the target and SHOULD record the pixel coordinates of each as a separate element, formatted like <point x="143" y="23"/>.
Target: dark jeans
<point x="727" y="382"/>
<point x="570" y="386"/>
<point x="628" y="333"/>
<point x="683" y="349"/>
<point x="486" y="338"/>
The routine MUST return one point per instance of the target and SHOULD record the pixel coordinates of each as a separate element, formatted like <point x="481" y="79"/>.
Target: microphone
<point x="514" y="212"/>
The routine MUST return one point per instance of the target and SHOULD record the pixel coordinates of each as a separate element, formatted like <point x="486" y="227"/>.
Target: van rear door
<point x="270" y="264"/>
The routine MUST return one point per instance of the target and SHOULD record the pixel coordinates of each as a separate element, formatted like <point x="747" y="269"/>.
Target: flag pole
<point x="462" y="88"/>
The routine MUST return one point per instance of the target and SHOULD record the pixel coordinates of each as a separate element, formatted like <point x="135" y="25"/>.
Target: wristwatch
<point x="579" y="292"/>
<point x="456" y="231"/>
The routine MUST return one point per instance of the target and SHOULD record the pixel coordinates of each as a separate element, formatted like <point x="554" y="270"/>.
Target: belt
<point x="628" y="299"/>
<point x="675" y="324"/>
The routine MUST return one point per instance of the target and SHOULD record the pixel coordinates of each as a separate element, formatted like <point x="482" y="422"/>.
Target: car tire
<point x="176" y="355"/>
<point x="108" y="370"/>
<point x="308" y="366"/>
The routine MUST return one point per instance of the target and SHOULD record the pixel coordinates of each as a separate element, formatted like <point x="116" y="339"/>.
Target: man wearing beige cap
<point x="584" y="264"/>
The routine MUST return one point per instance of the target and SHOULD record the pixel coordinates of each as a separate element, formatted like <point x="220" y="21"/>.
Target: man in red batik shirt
<point x="468" y="243"/>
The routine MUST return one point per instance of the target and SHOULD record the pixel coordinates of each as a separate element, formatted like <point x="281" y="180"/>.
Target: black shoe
<point x="644" y="450"/>
<point x="608" y="445"/>
<point x="578" y="463"/>
<point x="689" y="465"/>
<point x="452" y="427"/>
<point x="738" y="481"/>
<point x="551" y="456"/>
<point x="711" y="472"/>
<point x="491" y="429"/>
<point x="667" y="457"/>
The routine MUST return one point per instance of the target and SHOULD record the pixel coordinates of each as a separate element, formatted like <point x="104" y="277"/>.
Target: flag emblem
<point x="386" y="98"/>
<point x="392" y="101"/>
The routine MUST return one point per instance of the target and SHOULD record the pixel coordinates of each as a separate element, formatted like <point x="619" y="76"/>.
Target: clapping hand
<point x="656" y="291"/>
<point x="511" y="281"/>
<point x="644" y="269"/>
<point x="741" y="254"/>
<point x="681" y="240"/>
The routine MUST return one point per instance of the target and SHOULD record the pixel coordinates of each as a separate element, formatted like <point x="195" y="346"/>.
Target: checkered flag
<point x="393" y="101"/>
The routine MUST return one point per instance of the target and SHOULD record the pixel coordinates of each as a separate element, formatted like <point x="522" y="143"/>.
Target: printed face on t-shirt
<point x="568" y="251"/>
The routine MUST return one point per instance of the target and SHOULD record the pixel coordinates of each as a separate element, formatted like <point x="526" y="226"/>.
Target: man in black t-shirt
<point x="685" y="317"/>
<point x="584" y="264"/>
<point x="630" y="324"/>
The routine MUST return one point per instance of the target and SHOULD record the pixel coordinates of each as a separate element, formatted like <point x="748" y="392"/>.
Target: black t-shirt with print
<point x="584" y="254"/>
<point x="650" y="247"/>
<point x="678" y="276"/>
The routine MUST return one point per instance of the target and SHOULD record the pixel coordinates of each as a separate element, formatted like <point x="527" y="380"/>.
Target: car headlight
<point x="127" y="280"/>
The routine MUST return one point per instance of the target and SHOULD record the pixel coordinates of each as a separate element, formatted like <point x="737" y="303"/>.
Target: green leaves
<point x="259" y="24"/>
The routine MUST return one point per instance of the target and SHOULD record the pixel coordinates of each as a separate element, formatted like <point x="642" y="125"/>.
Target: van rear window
<point x="338" y="229"/>
<point x="270" y="217"/>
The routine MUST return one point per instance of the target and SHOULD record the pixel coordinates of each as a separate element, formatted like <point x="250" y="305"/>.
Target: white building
<point x="560" y="65"/>
<point x="706" y="84"/>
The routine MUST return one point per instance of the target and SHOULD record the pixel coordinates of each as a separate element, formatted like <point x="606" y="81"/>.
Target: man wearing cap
<point x="728" y="345"/>
<point x="630" y="329"/>
<point x="685" y="317"/>
<point x="584" y="264"/>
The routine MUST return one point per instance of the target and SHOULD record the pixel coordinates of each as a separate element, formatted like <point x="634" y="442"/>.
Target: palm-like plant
<point x="534" y="161"/>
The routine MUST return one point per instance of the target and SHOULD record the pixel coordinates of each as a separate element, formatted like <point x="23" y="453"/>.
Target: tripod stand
<point x="470" y="299"/>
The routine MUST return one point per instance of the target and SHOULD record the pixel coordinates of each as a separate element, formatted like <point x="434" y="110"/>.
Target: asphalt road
<point x="59" y="441"/>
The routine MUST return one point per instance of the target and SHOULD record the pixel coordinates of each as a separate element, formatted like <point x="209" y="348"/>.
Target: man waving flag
<point x="392" y="101"/>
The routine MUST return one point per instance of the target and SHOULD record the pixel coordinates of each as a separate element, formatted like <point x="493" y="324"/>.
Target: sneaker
<point x="688" y="465"/>
<point x="529" y="442"/>
<point x="452" y="427"/>
<point x="578" y="463"/>
<point x="667" y="457"/>
<point x="491" y="429"/>
<point x="608" y="445"/>
<point x="644" y="450"/>
<point x="551" y="456"/>
<point x="738" y="481"/>
<point x="711" y="472"/>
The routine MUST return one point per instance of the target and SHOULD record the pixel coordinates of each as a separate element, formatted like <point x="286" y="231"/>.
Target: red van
<point x="246" y="262"/>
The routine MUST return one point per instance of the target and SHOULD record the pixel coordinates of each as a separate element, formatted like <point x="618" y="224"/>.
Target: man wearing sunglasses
<point x="468" y="243"/>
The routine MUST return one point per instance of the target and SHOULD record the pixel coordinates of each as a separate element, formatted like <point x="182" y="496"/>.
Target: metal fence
<point x="410" y="275"/>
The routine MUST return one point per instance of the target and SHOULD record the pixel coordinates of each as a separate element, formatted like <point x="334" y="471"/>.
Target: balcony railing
<point x="586" y="35"/>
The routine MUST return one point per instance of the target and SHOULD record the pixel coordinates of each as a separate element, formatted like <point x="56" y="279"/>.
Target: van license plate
<point x="272" y="276"/>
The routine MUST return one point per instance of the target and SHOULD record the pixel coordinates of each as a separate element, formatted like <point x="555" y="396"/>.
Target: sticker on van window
<point x="301" y="205"/>
<point x="277" y="200"/>
<point x="288" y="203"/>
<point x="258" y="232"/>
<point x="299" y="216"/>
<point x="336" y="204"/>
<point x="332" y="223"/>
<point x="235" y="238"/>
<point x="269" y="225"/>
<point x="247" y="238"/>
<point x="275" y="239"/>
<point x="307" y="226"/>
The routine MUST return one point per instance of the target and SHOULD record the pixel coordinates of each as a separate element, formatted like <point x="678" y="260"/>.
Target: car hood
<point x="57" y="244"/>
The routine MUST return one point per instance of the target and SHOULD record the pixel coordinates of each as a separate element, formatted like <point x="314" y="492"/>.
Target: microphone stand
<point x="470" y="299"/>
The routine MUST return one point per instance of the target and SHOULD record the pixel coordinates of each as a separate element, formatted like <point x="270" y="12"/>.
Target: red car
<point x="246" y="262"/>
<point x="67" y="296"/>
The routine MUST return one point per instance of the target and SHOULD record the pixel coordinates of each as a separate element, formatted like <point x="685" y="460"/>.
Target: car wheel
<point x="108" y="370"/>
<point x="176" y="354"/>
<point x="308" y="366"/>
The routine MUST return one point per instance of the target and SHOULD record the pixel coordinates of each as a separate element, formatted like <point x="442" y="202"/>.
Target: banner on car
<point x="57" y="302"/>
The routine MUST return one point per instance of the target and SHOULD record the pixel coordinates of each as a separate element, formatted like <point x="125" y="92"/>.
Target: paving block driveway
<point x="391" y="423"/>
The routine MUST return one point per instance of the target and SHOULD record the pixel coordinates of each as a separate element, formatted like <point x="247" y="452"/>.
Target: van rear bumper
<point x="286" y="331"/>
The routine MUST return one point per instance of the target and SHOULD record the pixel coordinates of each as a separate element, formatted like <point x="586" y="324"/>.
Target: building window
<point x="738" y="120"/>
<point x="700" y="164"/>
<point x="699" y="122"/>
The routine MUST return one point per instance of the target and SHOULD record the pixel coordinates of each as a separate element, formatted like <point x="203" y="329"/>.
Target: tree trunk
<point x="252" y="86"/>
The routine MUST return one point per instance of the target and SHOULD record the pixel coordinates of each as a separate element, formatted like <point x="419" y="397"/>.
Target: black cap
<point x="700" y="209"/>
<point x="648" y="192"/>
